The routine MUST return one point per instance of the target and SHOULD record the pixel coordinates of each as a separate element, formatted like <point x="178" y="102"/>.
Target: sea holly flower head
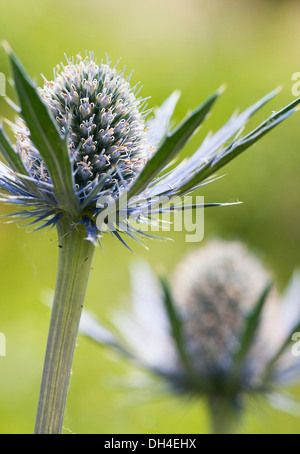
<point x="104" y="119"/>
<point x="214" y="290"/>
<point x="86" y="136"/>
<point x="221" y="329"/>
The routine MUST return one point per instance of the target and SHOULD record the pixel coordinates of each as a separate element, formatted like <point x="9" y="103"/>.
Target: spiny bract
<point x="84" y="139"/>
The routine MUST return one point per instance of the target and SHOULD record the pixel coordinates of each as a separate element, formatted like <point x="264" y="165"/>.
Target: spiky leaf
<point x="46" y="136"/>
<point x="252" y="323"/>
<point x="172" y="145"/>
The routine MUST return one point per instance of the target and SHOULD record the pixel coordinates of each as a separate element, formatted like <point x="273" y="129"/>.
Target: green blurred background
<point x="193" y="45"/>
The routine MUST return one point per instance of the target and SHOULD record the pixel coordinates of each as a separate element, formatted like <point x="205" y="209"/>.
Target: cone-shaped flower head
<point x="106" y="129"/>
<point x="219" y="328"/>
<point x="83" y="139"/>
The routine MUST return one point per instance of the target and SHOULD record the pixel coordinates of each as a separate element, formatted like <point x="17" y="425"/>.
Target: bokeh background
<point x="193" y="45"/>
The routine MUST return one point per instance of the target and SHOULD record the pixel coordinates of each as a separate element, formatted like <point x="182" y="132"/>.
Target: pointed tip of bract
<point x="176" y="93"/>
<point x="273" y="93"/>
<point x="173" y="97"/>
<point x="7" y="122"/>
<point x="221" y="89"/>
<point x="6" y="46"/>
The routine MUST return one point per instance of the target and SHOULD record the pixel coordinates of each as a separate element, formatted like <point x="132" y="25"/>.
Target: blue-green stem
<point x="75" y="259"/>
<point x="225" y="416"/>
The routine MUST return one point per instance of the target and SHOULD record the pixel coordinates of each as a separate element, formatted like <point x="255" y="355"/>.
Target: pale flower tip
<point x="221" y="89"/>
<point x="7" y="122"/>
<point x="6" y="46"/>
<point x="176" y="93"/>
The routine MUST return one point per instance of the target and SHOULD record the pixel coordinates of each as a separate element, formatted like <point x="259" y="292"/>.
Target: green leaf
<point x="258" y="133"/>
<point x="251" y="326"/>
<point x="46" y="136"/>
<point x="173" y="317"/>
<point x="177" y="334"/>
<point x="176" y="328"/>
<point x="172" y="145"/>
<point x="237" y="147"/>
<point x="159" y="125"/>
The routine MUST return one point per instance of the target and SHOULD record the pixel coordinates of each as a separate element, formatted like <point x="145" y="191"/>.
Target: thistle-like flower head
<point x="96" y="106"/>
<point x="84" y="136"/>
<point x="215" y="289"/>
<point x="219" y="328"/>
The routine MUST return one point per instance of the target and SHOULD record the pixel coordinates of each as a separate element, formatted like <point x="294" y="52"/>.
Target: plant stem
<point x="74" y="265"/>
<point x="224" y="415"/>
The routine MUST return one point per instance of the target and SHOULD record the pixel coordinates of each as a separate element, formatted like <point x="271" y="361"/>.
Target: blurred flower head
<point x="215" y="289"/>
<point x="83" y="138"/>
<point x="218" y="329"/>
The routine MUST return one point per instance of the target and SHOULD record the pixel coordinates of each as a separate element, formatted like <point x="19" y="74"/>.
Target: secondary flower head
<point x="83" y="138"/>
<point x="215" y="289"/>
<point x="220" y="330"/>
